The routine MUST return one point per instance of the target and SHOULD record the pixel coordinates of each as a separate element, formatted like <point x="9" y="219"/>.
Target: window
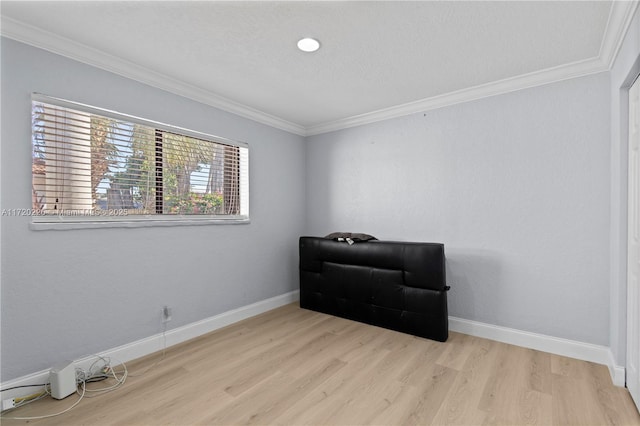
<point x="94" y="165"/>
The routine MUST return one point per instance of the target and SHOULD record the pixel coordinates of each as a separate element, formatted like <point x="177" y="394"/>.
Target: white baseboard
<point x="155" y="343"/>
<point x="569" y="348"/>
<point x="149" y="345"/>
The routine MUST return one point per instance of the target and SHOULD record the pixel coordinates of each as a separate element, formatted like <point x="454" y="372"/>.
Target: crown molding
<point x="42" y="39"/>
<point x="620" y="18"/>
<point x="534" y="79"/>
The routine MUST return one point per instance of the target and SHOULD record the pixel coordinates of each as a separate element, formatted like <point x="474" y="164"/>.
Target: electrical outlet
<point x="166" y="314"/>
<point x="8" y="404"/>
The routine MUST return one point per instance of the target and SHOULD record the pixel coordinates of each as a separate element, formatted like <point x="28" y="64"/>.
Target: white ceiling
<point x="377" y="60"/>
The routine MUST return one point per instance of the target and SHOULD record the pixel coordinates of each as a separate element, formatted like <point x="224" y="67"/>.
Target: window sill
<point x="69" y="225"/>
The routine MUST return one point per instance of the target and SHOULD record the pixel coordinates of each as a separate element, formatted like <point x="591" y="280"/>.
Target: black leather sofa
<point x="396" y="285"/>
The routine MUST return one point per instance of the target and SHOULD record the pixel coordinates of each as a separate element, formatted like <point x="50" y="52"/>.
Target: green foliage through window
<point x="92" y="163"/>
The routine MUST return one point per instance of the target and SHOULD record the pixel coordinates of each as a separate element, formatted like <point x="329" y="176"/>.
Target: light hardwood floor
<point x="292" y="366"/>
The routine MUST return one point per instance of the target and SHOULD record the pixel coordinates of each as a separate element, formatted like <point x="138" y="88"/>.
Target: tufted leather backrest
<point x="422" y="265"/>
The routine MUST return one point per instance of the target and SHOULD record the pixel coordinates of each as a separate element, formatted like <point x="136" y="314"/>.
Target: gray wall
<point x="625" y="69"/>
<point x="516" y="186"/>
<point x="522" y="189"/>
<point x="67" y="294"/>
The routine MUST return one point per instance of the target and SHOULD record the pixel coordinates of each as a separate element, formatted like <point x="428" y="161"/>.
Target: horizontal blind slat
<point x="83" y="160"/>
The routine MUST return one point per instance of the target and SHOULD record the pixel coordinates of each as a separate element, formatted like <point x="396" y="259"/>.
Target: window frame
<point x="55" y="222"/>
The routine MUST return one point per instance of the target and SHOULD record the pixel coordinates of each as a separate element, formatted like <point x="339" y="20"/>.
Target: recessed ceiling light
<point x="308" y="44"/>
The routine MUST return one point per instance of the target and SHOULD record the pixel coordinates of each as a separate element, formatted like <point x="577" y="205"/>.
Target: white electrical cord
<point x="164" y="350"/>
<point x="83" y="377"/>
<point x="84" y="388"/>
<point x="107" y="370"/>
<point x="32" y="398"/>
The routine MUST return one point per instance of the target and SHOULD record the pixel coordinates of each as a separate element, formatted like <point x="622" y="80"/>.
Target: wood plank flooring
<point x="291" y="366"/>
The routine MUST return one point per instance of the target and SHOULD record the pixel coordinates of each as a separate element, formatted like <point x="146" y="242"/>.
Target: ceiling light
<point x="308" y="44"/>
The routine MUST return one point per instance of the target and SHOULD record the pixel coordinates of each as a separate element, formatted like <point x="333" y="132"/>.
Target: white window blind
<point x="91" y="164"/>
